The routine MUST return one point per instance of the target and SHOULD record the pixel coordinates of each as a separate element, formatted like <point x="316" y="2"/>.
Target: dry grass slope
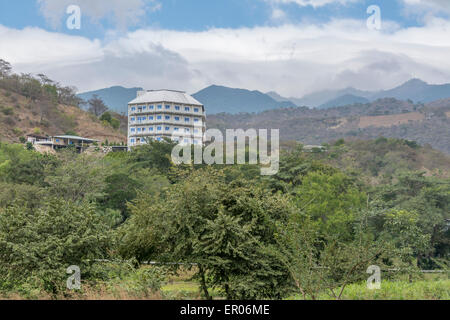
<point x="20" y="116"/>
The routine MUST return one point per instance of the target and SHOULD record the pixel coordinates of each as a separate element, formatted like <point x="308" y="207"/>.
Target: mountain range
<point x="220" y="99"/>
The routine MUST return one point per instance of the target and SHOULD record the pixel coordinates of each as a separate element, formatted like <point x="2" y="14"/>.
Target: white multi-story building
<point x="156" y="114"/>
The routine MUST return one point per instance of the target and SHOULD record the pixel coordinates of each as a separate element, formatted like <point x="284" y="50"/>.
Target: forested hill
<point x="38" y="105"/>
<point x="378" y="161"/>
<point x="426" y="124"/>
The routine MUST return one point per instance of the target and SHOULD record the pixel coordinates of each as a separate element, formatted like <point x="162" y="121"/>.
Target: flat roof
<point x="75" y="138"/>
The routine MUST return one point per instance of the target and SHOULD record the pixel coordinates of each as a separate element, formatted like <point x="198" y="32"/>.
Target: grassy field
<point x="395" y="290"/>
<point x="183" y="287"/>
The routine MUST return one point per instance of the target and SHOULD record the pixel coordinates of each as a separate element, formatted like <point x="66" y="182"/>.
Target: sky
<point x="293" y="47"/>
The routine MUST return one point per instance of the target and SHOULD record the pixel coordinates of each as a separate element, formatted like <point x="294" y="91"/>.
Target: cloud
<point x="431" y="4"/>
<point x="292" y="59"/>
<point x="124" y="13"/>
<point x="313" y="3"/>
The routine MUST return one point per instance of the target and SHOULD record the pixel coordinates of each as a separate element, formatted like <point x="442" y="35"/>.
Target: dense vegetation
<point x="310" y="231"/>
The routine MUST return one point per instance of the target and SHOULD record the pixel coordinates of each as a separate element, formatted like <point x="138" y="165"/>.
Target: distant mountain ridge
<point x="115" y="98"/>
<point x="415" y="90"/>
<point x="218" y="99"/>
<point x="347" y="99"/>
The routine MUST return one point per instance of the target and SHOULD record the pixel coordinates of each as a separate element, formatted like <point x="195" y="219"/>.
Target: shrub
<point x="7" y="111"/>
<point x="37" y="245"/>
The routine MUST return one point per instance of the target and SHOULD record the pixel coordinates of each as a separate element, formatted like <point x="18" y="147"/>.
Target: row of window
<point x="186" y="140"/>
<point x="160" y="117"/>
<point x="160" y="128"/>
<point x="160" y="107"/>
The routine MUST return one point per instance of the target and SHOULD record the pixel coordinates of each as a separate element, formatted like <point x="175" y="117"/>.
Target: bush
<point x="37" y="245"/>
<point x="7" y="111"/>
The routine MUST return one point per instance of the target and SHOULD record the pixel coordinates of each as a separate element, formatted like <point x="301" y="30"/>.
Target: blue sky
<point x="294" y="47"/>
<point x="196" y="15"/>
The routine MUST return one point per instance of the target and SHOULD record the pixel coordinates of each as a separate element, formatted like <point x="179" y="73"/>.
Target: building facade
<point x="158" y="114"/>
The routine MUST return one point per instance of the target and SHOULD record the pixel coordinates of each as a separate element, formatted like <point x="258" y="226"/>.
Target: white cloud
<point x="291" y="59"/>
<point x="434" y="4"/>
<point x="124" y="13"/>
<point x="313" y="3"/>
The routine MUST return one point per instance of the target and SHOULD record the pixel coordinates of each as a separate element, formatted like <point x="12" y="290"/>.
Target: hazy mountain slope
<point x="414" y="89"/>
<point x="275" y="96"/>
<point x="319" y="98"/>
<point x="343" y="101"/>
<point x="116" y="98"/>
<point x="417" y="91"/>
<point x="219" y="99"/>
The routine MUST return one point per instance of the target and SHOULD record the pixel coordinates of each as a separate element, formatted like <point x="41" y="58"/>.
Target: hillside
<point x="381" y="159"/>
<point x="20" y="116"/>
<point x="426" y="124"/>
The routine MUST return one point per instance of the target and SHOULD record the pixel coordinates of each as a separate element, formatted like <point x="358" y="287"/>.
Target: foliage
<point x="37" y="245"/>
<point x="225" y="232"/>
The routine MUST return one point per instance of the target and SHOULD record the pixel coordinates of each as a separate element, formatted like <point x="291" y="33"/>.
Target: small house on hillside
<point x="63" y="141"/>
<point x="35" y="138"/>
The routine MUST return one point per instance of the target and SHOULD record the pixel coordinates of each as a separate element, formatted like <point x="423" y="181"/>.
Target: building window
<point x="177" y="108"/>
<point x="143" y="129"/>
<point x="139" y="129"/>
<point x="195" y="141"/>
<point x="177" y="118"/>
<point x="167" y="128"/>
<point x="159" y="117"/>
<point x="132" y="140"/>
<point x="186" y="119"/>
<point x="167" y="107"/>
<point x="196" y="120"/>
<point x="187" y="130"/>
<point x="151" y="107"/>
<point x="150" y="129"/>
<point x="196" y="109"/>
<point x="133" y="108"/>
<point x="167" y="117"/>
<point x="159" y="128"/>
<point x="159" y="107"/>
<point x="144" y="118"/>
<point x="187" y="109"/>
<point x="195" y="130"/>
<point x="132" y="130"/>
<point x="144" y="108"/>
<point x="133" y="119"/>
<point x="159" y="139"/>
<point x="150" y="118"/>
<point x="176" y="129"/>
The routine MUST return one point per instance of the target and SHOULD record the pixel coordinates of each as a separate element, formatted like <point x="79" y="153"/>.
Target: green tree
<point x="224" y="228"/>
<point x="37" y="246"/>
<point x="331" y="200"/>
